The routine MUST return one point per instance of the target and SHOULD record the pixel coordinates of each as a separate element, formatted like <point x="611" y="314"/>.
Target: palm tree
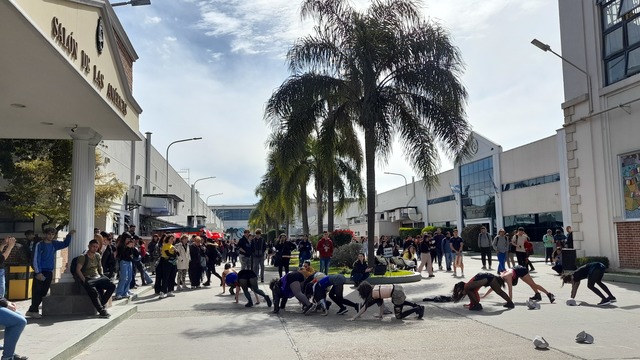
<point x="391" y="72"/>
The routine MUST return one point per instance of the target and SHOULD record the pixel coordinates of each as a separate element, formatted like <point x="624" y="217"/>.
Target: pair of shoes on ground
<point x="118" y="297"/>
<point x="538" y="297"/>
<point x="509" y="305"/>
<point x="103" y="314"/>
<point x="33" y="315"/>
<point x="607" y="301"/>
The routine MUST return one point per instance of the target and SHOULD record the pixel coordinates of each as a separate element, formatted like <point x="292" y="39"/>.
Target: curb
<point x="66" y="351"/>
<point x="377" y="280"/>
<point x="629" y="279"/>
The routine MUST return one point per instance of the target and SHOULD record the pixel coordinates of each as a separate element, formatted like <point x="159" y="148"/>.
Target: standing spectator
<point x="283" y="254"/>
<point x="484" y="243"/>
<point x="167" y="267"/>
<point x="233" y="251"/>
<point x="425" y="255"/>
<point x="125" y="258"/>
<point x="244" y="250"/>
<point x="258" y="249"/>
<point x="13" y="324"/>
<point x="325" y="248"/>
<point x="183" y="257"/>
<point x="408" y="241"/>
<point x="549" y="244"/>
<point x="446" y="250"/>
<point x="89" y="272"/>
<point x="213" y="258"/>
<point x="44" y="255"/>
<point x="438" y="238"/>
<point x="569" y="238"/>
<point x="8" y="245"/>
<point x="501" y="246"/>
<point x="559" y="238"/>
<point x="153" y="251"/>
<point x="512" y="252"/>
<point x="518" y="241"/>
<point x="457" y="245"/>
<point x="196" y="256"/>
<point x="305" y="248"/>
<point x="108" y="256"/>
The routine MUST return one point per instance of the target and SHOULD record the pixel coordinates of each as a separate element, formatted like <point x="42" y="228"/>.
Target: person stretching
<point x="376" y="295"/>
<point x="287" y="287"/>
<point x="334" y="285"/>
<point x="246" y="279"/>
<point x="511" y="277"/>
<point x="593" y="272"/>
<point x="471" y="288"/>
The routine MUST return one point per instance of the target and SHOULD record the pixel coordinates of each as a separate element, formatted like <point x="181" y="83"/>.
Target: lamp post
<point x="405" y="180"/>
<point x="207" y="201"/>
<point x="545" y="47"/>
<point x="167" y="158"/>
<point x="133" y="3"/>
<point x="193" y="194"/>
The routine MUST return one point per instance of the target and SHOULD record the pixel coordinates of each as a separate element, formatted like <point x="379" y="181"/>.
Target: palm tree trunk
<point x="320" y="210"/>
<point x="330" y="224"/>
<point x="303" y="209"/>
<point x="370" y="163"/>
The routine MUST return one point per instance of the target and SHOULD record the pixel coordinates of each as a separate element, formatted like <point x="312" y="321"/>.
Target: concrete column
<point x="82" y="188"/>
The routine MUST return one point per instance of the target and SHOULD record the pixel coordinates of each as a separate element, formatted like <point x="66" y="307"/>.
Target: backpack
<point x="74" y="265"/>
<point x="528" y="247"/>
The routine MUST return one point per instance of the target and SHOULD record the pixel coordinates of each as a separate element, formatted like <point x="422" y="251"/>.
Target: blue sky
<point x="207" y="67"/>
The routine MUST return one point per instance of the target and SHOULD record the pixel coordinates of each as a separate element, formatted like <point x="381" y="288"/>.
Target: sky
<point x="207" y="67"/>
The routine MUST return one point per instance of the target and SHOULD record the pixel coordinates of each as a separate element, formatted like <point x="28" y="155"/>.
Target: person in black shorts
<point x="471" y="288"/>
<point x="511" y="276"/>
<point x="593" y="272"/>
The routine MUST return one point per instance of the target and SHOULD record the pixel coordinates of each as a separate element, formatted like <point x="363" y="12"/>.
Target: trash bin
<point x="19" y="284"/>
<point x="569" y="259"/>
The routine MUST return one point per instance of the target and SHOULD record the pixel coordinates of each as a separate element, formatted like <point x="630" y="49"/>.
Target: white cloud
<point x="152" y="19"/>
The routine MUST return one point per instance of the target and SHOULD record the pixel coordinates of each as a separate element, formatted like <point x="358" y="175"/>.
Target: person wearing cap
<point x="44" y="256"/>
<point x="593" y="272"/>
<point x="471" y="288"/>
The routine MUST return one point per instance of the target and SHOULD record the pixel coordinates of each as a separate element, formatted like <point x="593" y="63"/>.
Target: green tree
<point x="39" y="176"/>
<point x="391" y="73"/>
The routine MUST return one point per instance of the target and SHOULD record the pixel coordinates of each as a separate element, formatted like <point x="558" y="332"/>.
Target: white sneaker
<point x="162" y="295"/>
<point x="33" y="315"/>
<point x="171" y="294"/>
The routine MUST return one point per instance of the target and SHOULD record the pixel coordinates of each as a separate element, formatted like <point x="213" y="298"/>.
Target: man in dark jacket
<point x="258" y="248"/>
<point x="108" y="256"/>
<point x="244" y="250"/>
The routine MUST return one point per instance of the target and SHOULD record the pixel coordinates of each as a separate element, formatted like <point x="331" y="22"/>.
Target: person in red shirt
<point x="325" y="248"/>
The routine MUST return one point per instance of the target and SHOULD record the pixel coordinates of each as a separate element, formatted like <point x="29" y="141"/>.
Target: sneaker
<point x="612" y="299"/>
<point x="248" y="305"/>
<point x="604" y="302"/>
<point x="207" y="284"/>
<point x="19" y="357"/>
<point x="343" y="311"/>
<point x="171" y="294"/>
<point x="33" y="314"/>
<point x="325" y="312"/>
<point x="268" y="299"/>
<point x="309" y="309"/>
<point x="162" y="295"/>
<point x="475" y="307"/>
<point x="483" y="268"/>
<point x="509" y="305"/>
<point x="432" y="275"/>
<point x="103" y="314"/>
<point x="490" y="268"/>
<point x="420" y="312"/>
<point x="536" y="297"/>
<point x="552" y="297"/>
<point x="119" y="297"/>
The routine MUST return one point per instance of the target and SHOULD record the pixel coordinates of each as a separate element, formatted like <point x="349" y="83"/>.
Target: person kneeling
<point x="376" y="295"/>
<point x="246" y="279"/>
<point x="88" y="272"/>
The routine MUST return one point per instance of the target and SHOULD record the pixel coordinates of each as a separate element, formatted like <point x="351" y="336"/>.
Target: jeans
<point x="13" y="323"/>
<point x="257" y="265"/>
<point x="324" y="265"/>
<point x="245" y="262"/>
<point x="502" y="257"/>
<point x="125" y="278"/>
<point x="448" y="257"/>
<point x="2" y="283"/>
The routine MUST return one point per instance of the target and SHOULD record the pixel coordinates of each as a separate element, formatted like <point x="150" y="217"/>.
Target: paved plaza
<point x="203" y="324"/>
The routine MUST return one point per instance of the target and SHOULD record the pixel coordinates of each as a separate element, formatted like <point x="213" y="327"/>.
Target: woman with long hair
<point x="375" y="294"/>
<point x="183" y="256"/>
<point x="511" y="277"/>
<point x="167" y="267"/>
<point x="471" y="288"/>
<point x="593" y="272"/>
<point x="283" y="254"/>
<point x="125" y="258"/>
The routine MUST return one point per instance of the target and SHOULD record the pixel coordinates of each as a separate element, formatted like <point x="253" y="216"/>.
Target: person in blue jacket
<point x="44" y="256"/>
<point x="593" y="272"/>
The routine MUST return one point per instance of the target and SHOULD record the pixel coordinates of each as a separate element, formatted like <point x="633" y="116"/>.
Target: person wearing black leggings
<point x="287" y="287"/>
<point x="593" y="272"/>
<point x="247" y="279"/>
<point x="376" y="295"/>
<point x="471" y="288"/>
<point x="213" y="255"/>
<point x="334" y="284"/>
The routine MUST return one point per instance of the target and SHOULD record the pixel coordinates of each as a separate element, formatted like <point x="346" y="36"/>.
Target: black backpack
<point x="74" y="265"/>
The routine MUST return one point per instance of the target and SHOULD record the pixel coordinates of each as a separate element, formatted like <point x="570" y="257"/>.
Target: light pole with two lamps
<point x="167" y="158"/>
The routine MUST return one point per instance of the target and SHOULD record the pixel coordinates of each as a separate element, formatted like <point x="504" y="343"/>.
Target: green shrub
<point x="470" y="237"/>
<point x="404" y="232"/>
<point x="341" y="237"/>
<point x="345" y="255"/>
<point x="429" y="229"/>
<point x="587" y="259"/>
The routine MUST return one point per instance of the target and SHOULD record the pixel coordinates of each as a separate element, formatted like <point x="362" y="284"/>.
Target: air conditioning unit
<point x="135" y="195"/>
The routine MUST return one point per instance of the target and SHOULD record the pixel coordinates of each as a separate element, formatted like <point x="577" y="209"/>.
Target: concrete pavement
<point x="201" y="324"/>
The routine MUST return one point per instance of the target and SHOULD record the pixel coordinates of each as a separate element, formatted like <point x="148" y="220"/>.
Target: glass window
<point x="548" y="179"/>
<point x="615" y="69"/>
<point x="633" y="31"/>
<point x="628" y="5"/>
<point x="610" y="14"/>
<point x="613" y="42"/>
<point x="633" y="63"/>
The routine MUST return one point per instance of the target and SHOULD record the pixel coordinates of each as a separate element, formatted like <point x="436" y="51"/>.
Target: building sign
<point x="70" y="45"/>
<point x="630" y="174"/>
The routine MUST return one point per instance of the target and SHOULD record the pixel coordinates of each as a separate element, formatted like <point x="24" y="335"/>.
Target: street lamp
<point x="167" y="158"/>
<point x="545" y="47"/>
<point x="193" y="193"/>
<point x="133" y="3"/>
<point x="207" y="201"/>
<point x="405" y="180"/>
